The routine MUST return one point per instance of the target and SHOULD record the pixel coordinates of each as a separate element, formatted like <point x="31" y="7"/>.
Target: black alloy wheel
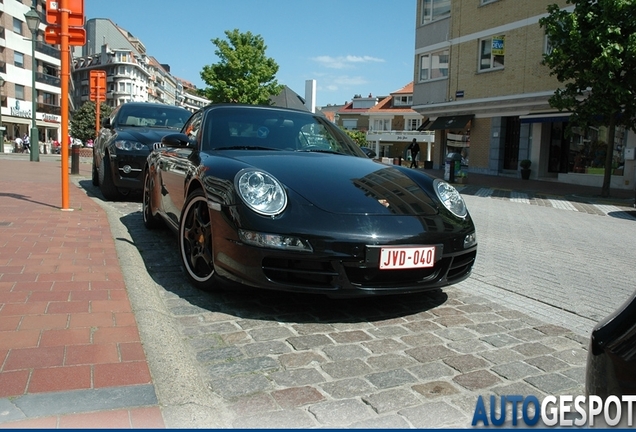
<point x="150" y="221"/>
<point x="195" y="241"/>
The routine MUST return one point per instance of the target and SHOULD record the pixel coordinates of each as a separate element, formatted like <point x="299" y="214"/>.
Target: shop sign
<point x="51" y="118"/>
<point x="20" y="108"/>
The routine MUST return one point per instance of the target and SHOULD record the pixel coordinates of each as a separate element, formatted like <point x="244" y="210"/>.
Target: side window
<point x="193" y="128"/>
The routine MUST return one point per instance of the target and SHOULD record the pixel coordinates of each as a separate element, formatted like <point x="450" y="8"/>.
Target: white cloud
<point x="343" y="62"/>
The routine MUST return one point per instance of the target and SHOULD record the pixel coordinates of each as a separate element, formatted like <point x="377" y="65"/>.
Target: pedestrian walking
<point x="26" y="144"/>
<point x="414" y="147"/>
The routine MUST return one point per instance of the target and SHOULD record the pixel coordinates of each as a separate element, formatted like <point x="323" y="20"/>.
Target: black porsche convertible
<point x="283" y="199"/>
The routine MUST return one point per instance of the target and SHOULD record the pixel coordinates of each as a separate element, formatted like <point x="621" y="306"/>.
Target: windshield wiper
<point x="320" y="151"/>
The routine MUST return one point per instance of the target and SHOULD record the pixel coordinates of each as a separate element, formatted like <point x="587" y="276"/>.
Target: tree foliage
<point x="83" y="121"/>
<point x="244" y="73"/>
<point x="357" y="136"/>
<point x="594" y="55"/>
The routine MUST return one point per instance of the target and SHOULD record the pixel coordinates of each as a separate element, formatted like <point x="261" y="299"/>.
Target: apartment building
<point x="187" y="96"/>
<point x="117" y="52"/>
<point x="480" y="80"/>
<point x="16" y="70"/>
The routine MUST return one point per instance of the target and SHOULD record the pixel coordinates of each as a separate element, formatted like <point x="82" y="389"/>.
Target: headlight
<point x="261" y="192"/>
<point x="451" y="199"/>
<point x="130" y="145"/>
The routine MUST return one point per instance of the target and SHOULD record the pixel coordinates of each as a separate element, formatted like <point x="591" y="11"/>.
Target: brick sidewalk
<point x="70" y="352"/>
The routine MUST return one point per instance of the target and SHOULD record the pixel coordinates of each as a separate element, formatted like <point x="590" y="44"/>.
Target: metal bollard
<point x="75" y="158"/>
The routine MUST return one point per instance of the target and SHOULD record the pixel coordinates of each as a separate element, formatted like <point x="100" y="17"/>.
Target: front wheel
<point x="195" y="241"/>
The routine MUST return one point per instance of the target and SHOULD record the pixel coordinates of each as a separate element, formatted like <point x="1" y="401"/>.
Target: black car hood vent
<point x="345" y="184"/>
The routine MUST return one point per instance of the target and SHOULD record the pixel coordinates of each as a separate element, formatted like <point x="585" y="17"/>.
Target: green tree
<point x="594" y="55"/>
<point x="244" y="74"/>
<point x="83" y="121"/>
<point x="357" y="136"/>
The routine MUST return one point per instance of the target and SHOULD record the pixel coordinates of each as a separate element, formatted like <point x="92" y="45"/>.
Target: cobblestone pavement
<point x="254" y="359"/>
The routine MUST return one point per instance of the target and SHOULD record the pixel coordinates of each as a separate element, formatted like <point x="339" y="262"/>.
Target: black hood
<point x="344" y="184"/>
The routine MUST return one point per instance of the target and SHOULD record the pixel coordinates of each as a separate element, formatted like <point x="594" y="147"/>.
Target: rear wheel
<point x="106" y="184"/>
<point x="195" y="241"/>
<point x="150" y="221"/>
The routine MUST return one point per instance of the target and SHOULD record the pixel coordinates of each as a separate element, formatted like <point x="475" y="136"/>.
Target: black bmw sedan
<point x="124" y="142"/>
<point x="283" y="199"/>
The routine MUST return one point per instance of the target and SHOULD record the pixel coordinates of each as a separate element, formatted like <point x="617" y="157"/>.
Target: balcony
<point x="49" y="109"/>
<point x="48" y="79"/>
<point x="407" y="136"/>
<point x="47" y="49"/>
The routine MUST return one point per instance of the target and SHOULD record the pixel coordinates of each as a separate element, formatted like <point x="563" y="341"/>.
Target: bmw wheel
<point x="195" y="241"/>
<point x="150" y="221"/>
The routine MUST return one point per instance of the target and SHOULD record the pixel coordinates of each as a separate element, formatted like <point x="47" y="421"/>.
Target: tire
<point x="150" y="221"/>
<point x="195" y="241"/>
<point x="106" y="184"/>
<point x="95" y="173"/>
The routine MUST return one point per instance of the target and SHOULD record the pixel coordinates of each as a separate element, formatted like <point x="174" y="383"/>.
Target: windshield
<point x="153" y="117"/>
<point x="260" y="128"/>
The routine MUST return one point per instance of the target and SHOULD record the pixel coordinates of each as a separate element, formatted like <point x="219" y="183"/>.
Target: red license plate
<point x="392" y="258"/>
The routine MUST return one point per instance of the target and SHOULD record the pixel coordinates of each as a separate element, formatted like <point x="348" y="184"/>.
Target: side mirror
<point x="176" y="140"/>
<point x="106" y="123"/>
<point x="367" y="151"/>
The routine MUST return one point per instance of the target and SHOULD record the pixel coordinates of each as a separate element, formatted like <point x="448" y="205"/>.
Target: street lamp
<point x="1" y="127"/>
<point x="33" y="22"/>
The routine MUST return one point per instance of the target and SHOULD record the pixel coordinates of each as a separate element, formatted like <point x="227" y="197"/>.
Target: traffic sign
<point x="75" y="16"/>
<point x="52" y="35"/>
<point x="98" y="85"/>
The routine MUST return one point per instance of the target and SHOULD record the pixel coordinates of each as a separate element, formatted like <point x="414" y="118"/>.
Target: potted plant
<point x="525" y="168"/>
<point x="462" y="177"/>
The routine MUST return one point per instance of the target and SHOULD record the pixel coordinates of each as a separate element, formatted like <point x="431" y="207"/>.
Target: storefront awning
<point x="545" y="118"/>
<point x="452" y="122"/>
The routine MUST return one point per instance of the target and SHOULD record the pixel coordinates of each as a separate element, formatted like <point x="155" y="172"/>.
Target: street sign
<point x="98" y="85"/>
<point x="52" y="35"/>
<point x="75" y="16"/>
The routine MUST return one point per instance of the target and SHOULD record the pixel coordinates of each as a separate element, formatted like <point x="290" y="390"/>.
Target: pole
<point x="35" y="138"/>
<point x="65" y="76"/>
<point x="97" y="102"/>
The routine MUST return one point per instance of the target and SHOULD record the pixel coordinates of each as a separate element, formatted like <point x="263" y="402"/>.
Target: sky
<point x="348" y="46"/>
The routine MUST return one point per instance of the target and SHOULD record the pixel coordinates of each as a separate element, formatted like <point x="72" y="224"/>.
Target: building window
<point x="49" y="99"/>
<point x="19" y="92"/>
<point x="18" y="59"/>
<point x="351" y="124"/>
<point x="434" y="65"/>
<point x="483" y="2"/>
<point x="435" y="9"/>
<point x="413" y="124"/>
<point x="547" y="46"/>
<point x="17" y="26"/>
<point x="491" y="53"/>
<point x="403" y="100"/>
<point x="382" y="124"/>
